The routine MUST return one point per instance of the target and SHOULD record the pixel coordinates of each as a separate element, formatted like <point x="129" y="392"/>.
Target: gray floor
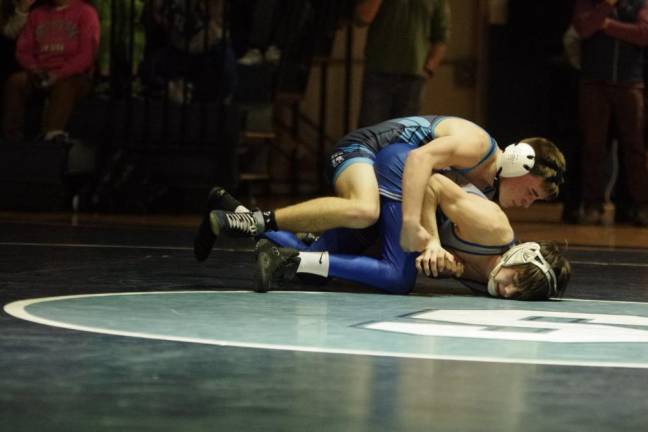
<point x="59" y="379"/>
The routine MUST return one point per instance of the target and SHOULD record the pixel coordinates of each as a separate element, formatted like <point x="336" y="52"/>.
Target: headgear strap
<point x="516" y="160"/>
<point x="525" y="253"/>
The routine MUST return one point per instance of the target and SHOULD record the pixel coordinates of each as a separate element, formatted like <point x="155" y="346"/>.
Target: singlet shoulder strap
<point x="491" y="150"/>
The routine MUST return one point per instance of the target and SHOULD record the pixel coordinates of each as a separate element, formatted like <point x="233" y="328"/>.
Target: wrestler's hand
<point x="414" y="238"/>
<point x="435" y="260"/>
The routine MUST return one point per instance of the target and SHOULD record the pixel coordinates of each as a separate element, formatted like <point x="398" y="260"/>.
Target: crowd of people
<point x="57" y="50"/>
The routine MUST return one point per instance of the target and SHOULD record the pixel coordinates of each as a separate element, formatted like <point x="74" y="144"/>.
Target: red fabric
<point x="62" y="41"/>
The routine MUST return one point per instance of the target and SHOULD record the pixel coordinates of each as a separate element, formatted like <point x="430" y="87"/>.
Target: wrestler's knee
<point x="364" y="213"/>
<point x="398" y="282"/>
<point x="401" y="287"/>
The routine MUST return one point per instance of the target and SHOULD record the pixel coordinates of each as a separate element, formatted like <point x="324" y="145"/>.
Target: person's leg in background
<point x="375" y="105"/>
<point x="214" y="73"/>
<point x="63" y="98"/>
<point x="629" y="113"/>
<point x="407" y="94"/>
<point x="595" y="113"/>
<point x="18" y="89"/>
<point x="8" y="66"/>
<point x="263" y="20"/>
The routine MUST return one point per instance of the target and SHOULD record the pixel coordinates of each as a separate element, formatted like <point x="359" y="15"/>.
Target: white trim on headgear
<point x="524" y="253"/>
<point x="516" y="160"/>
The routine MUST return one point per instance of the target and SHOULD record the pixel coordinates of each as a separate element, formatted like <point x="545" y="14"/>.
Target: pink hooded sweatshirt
<point x="60" y="40"/>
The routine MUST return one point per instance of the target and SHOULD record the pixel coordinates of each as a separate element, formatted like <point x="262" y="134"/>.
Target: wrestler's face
<point x="521" y="191"/>
<point x="505" y="283"/>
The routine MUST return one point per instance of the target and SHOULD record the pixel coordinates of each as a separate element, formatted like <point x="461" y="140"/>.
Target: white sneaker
<point x="251" y="57"/>
<point x="273" y="54"/>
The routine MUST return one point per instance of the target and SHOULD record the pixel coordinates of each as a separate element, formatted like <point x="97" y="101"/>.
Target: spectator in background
<point x="122" y="44"/>
<point x="56" y="51"/>
<point x="406" y="42"/>
<point x="13" y="17"/>
<point x="564" y="111"/>
<point x="613" y="36"/>
<point x="263" y="38"/>
<point x="196" y="55"/>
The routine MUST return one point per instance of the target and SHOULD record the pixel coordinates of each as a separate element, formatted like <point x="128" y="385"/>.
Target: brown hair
<point x="532" y="283"/>
<point x="549" y="164"/>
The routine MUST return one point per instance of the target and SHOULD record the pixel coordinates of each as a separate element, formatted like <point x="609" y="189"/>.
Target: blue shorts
<point x="345" y="156"/>
<point x="389" y="167"/>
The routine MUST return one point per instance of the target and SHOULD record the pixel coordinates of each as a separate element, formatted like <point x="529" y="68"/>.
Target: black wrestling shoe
<point x="204" y="240"/>
<point x="244" y="224"/>
<point x="274" y="264"/>
<point x="218" y="199"/>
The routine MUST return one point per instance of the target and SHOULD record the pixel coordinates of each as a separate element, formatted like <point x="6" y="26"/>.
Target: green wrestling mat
<point x="567" y="332"/>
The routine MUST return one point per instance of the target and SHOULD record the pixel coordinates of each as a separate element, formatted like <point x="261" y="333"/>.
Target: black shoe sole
<point x="286" y="271"/>
<point x="217" y="199"/>
<point x="204" y="240"/>
<point x="261" y="279"/>
<point x="220" y="199"/>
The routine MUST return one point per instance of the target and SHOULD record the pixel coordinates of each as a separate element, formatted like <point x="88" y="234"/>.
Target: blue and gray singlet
<point x="362" y="145"/>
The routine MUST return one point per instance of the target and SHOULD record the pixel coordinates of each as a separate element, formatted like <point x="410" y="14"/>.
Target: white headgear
<point x="516" y="160"/>
<point x="525" y="253"/>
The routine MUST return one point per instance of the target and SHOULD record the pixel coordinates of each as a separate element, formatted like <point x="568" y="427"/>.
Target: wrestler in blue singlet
<point x="395" y="271"/>
<point x="362" y="145"/>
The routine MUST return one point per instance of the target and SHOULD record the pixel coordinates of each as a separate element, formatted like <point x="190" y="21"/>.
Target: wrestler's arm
<point x="477" y="219"/>
<point x="459" y="143"/>
<point x="434" y="259"/>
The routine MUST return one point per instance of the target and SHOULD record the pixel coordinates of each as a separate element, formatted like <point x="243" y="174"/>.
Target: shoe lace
<point x="242" y="222"/>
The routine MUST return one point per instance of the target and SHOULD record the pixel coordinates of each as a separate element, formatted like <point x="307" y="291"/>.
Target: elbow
<point x="433" y="185"/>
<point x="418" y="158"/>
<point x="500" y="227"/>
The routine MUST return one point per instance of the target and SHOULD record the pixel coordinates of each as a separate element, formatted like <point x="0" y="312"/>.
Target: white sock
<point x="314" y="263"/>
<point x="241" y="209"/>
